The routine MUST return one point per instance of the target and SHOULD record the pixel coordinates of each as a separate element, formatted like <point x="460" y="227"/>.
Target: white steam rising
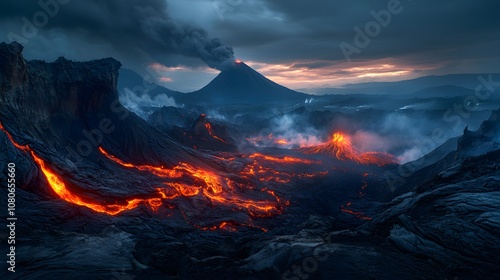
<point x="137" y="104"/>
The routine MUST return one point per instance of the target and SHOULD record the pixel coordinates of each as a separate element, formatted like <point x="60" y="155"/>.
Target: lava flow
<point x="263" y="168"/>
<point x="201" y="182"/>
<point x="340" y="146"/>
<point x="285" y="159"/>
<point x="59" y="187"/>
<point x="61" y="190"/>
<point x="197" y="181"/>
<point x="357" y="214"/>
<point x="268" y="140"/>
<point x="185" y="180"/>
<point x="208" y="126"/>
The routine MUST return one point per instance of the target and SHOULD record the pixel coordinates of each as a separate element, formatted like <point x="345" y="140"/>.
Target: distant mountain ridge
<point x="467" y="81"/>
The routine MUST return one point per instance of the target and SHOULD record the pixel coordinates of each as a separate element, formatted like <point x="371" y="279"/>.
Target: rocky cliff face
<point x="42" y="89"/>
<point x="73" y="107"/>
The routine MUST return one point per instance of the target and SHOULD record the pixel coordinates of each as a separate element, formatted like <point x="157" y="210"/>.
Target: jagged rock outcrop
<point x="482" y="141"/>
<point x="453" y="218"/>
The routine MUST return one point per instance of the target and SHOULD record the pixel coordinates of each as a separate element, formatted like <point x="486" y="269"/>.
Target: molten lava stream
<point x="357" y="214"/>
<point x="208" y="184"/>
<point x="219" y="190"/>
<point x="60" y="189"/>
<point x="208" y="126"/>
<point x="283" y="160"/>
<point x="340" y="146"/>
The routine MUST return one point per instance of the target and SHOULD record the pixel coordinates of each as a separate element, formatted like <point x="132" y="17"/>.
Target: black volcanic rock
<point x="452" y="214"/>
<point x="482" y="141"/>
<point x="239" y="83"/>
<point x="453" y="219"/>
<point x="12" y="66"/>
<point x="167" y="117"/>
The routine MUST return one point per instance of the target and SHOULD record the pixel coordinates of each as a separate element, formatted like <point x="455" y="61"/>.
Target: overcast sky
<point x="294" y="42"/>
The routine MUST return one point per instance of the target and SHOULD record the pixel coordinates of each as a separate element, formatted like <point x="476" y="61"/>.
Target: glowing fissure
<point x="357" y="214"/>
<point x="340" y="146"/>
<point x="283" y="160"/>
<point x="360" y="215"/>
<point x="266" y="140"/>
<point x="208" y="126"/>
<point x="257" y="170"/>
<point x="20" y="147"/>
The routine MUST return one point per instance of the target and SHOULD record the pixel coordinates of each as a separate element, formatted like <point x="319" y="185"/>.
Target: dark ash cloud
<point x="427" y="37"/>
<point x="129" y="28"/>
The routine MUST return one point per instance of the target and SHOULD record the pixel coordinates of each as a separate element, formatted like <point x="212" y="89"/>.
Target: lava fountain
<point x="340" y="147"/>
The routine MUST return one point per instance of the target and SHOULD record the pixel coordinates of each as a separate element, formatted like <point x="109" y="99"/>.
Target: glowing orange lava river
<point x="188" y="181"/>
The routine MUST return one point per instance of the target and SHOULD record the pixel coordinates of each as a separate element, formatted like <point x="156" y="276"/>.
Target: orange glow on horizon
<point x="314" y="74"/>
